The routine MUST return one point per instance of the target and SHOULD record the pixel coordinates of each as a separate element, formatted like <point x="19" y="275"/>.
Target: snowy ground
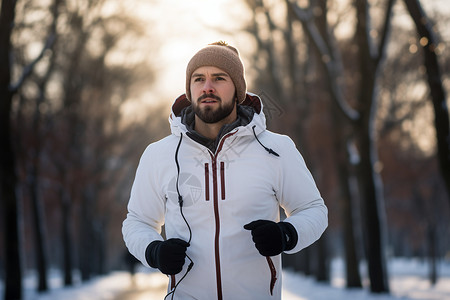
<point x="408" y="280"/>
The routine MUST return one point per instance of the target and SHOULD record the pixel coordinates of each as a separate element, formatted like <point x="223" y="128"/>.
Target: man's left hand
<point x="270" y="238"/>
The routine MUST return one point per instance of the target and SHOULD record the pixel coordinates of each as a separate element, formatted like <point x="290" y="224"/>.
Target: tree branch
<point x="29" y="68"/>
<point x="385" y="33"/>
<point x="327" y="58"/>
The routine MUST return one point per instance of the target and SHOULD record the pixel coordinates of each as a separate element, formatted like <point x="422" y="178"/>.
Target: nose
<point x="208" y="86"/>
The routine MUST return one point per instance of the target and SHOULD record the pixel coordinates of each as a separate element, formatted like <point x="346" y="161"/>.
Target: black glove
<point x="167" y="256"/>
<point x="272" y="238"/>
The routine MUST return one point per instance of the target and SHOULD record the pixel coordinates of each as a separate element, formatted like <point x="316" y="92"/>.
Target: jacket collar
<point x="251" y="100"/>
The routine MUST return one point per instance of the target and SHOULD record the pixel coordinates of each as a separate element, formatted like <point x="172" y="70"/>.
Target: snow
<point x="408" y="280"/>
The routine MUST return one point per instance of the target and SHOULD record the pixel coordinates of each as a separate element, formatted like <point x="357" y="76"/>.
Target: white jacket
<point x="222" y="191"/>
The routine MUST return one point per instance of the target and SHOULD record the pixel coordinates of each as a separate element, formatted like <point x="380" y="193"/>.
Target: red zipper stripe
<point x="273" y="274"/>
<point x="222" y="179"/>
<point x="172" y="282"/>
<point x="216" y="214"/>
<point x="216" y="238"/>
<point x="206" y="182"/>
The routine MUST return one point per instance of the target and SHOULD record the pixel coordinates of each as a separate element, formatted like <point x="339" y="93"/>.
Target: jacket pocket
<point x="273" y="274"/>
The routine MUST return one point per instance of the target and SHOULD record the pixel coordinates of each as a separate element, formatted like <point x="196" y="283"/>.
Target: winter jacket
<point x="222" y="191"/>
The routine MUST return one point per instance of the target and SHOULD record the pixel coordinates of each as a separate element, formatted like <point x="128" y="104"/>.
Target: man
<point x="217" y="183"/>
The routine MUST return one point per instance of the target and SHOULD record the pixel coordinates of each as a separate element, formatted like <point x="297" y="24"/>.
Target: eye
<point x="198" y="79"/>
<point x="220" y="78"/>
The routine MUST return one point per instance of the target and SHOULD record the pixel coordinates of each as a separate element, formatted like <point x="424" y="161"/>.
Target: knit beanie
<point x="224" y="57"/>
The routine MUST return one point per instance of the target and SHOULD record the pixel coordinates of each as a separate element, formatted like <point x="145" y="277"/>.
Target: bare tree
<point x="362" y="122"/>
<point x="76" y="140"/>
<point x="33" y="175"/>
<point x="352" y="68"/>
<point x="8" y="177"/>
<point x="87" y="128"/>
<point x="429" y="41"/>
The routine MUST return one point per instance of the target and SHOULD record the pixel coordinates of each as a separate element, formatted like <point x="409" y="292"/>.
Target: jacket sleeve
<point x="300" y="198"/>
<point x="145" y="208"/>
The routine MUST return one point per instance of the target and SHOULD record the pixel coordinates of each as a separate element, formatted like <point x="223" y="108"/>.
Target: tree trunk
<point x="38" y="229"/>
<point x="340" y="141"/>
<point x="373" y="214"/>
<point x="66" y="235"/>
<point x="90" y="260"/>
<point x="323" y="259"/>
<point x="432" y="252"/>
<point x="305" y="258"/>
<point x="353" y="276"/>
<point x="437" y="91"/>
<point x="87" y="241"/>
<point x="369" y="179"/>
<point x="37" y="209"/>
<point x="8" y="179"/>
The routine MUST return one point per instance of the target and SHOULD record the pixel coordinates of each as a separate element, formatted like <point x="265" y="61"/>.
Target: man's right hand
<point x="168" y="256"/>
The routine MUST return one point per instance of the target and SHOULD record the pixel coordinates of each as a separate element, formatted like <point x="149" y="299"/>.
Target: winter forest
<point x="361" y="87"/>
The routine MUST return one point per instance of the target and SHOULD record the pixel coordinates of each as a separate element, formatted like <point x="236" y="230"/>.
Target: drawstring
<point x="180" y="198"/>
<point x="267" y="149"/>
<point x="180" y="202"/>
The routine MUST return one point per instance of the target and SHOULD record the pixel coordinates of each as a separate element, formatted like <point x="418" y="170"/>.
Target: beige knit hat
<point x="224" y="57"/>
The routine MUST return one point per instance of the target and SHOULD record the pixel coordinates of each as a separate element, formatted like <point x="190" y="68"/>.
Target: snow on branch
<point x="327" y="58"/>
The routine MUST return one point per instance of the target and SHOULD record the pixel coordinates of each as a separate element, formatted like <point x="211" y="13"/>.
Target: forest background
<point x="360" y="86"/>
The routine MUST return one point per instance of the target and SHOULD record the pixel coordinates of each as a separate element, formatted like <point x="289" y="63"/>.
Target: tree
<point x="8" y="179"/>
<point x="60" y="153"/>
<point x="362" y="122"/>
<point x="8" y="165"/>
<point x="353" y="68"/>
<point x="94" y="89"/>
<point x="429" y="42"/>
<point x="341" y="140"/>
<point x="281" y="79"/>
<point x="33" y="173"/>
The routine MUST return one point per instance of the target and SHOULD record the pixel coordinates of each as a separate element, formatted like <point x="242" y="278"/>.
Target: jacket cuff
<point x="290" y="235"/>
<point x="151" y="252"/>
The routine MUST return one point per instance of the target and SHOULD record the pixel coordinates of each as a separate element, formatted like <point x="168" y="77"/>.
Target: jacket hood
<point x="251" y="100"/>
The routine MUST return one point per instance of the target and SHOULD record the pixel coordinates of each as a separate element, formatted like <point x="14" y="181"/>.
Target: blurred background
<point x="360" y="86"/>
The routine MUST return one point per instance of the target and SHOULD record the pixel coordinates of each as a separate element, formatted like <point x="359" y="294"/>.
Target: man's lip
<point x="209" y="100"/>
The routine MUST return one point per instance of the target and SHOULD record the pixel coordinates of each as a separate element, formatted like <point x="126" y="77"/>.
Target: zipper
<point x="216" y="208"/>
<point x="222" y="179"/>
<point x="206" y="181"/>
<point x="216" y="237"/>
<point x="172" y="282"/>
<point x="273" y="274"/>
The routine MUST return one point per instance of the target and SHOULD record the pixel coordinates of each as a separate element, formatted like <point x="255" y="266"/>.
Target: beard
<point x="210" y="115"/>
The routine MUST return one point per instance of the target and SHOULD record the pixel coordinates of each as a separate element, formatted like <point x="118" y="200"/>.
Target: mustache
<point x="204" y="96"/>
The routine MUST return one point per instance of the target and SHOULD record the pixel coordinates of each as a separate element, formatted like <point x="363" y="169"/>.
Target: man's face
<point x="213" y="95"/>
